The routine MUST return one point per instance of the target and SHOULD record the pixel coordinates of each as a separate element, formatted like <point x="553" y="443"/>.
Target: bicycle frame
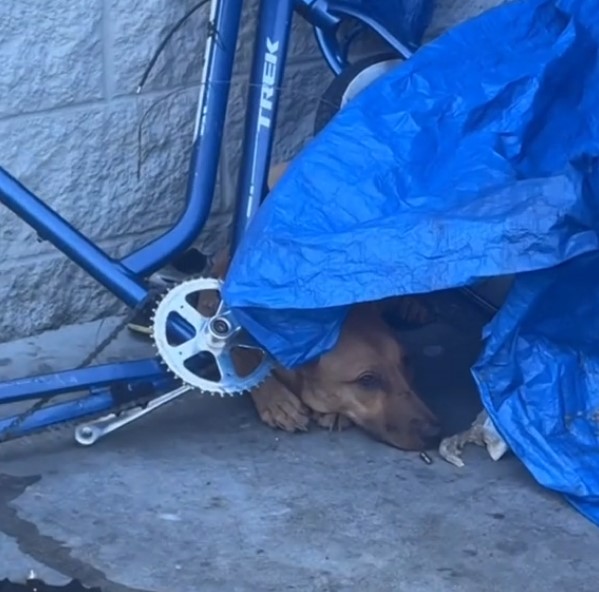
<point x="111" y="385"/>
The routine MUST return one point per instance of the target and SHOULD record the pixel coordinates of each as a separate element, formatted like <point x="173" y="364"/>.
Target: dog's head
<point x="366" y="378"/>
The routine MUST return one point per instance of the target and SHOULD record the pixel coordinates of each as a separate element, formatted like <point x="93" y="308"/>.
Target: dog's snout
<point x="429" y="431"/>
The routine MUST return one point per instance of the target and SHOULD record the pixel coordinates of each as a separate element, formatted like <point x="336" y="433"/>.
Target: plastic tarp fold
<point x="478" y="157"/>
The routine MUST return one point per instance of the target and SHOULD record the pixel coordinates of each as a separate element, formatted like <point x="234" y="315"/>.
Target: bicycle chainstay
<point x="41" y="403"/>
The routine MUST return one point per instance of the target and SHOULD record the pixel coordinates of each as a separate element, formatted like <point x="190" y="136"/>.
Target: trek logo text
<point x="268" y="83"/>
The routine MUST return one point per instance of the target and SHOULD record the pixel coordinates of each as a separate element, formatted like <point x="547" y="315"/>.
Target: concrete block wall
<point x="112" y="162"/>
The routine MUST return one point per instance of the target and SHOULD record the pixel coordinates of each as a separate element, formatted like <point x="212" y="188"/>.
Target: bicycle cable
<point x="165" y="41"/>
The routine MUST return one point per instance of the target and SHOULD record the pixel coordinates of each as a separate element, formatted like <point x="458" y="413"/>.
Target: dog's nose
<point x="429" y="431"/>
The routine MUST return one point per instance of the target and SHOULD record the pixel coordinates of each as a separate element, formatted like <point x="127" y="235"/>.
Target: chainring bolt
<point x="220" y="327"/>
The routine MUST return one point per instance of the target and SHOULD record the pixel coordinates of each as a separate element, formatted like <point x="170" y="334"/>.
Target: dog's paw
<point x="331" y="421"/>
<point x="279" y="408"/>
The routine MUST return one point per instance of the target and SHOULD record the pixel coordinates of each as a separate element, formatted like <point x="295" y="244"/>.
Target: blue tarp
<point x="476" y="158"/>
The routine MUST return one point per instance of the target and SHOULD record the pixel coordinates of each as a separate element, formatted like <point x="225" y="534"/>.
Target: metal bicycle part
<point x="41" y="403"/>
<point x="89" y="433"/>
<point x="217" y="336"/>
<point x="366" y="77"/>
<point x="351" y="82"/>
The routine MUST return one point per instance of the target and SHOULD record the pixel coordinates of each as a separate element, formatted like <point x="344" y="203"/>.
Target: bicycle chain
<point x="22" y="417"/>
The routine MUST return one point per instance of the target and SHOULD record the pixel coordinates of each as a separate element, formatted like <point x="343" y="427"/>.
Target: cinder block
<point x="46" y="293"/>
<point x="449" y="13"/>
<point x="50" y="53"/>
<point x="303" y="87"/>
<point x="84" y="162"/>
<point x="135" y="30"/>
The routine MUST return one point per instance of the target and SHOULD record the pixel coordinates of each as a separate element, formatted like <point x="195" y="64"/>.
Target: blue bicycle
<point x="196" y="347"/>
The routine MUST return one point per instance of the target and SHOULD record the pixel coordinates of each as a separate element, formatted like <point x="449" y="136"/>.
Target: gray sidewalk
<point x="200" y="497"/>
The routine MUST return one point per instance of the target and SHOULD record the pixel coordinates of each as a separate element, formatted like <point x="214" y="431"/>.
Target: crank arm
<point x="89" y="433"/>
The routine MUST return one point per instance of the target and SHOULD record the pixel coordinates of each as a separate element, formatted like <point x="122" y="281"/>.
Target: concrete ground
<point x="200" y="497"/>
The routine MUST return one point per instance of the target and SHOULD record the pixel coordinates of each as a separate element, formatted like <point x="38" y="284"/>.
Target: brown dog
<point x="364" y="380"/>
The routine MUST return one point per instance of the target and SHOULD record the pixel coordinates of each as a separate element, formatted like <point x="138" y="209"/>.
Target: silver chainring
<point x="216" y="334"/>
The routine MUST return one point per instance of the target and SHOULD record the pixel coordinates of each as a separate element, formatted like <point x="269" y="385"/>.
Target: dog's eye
<point x="369" y="380"/>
